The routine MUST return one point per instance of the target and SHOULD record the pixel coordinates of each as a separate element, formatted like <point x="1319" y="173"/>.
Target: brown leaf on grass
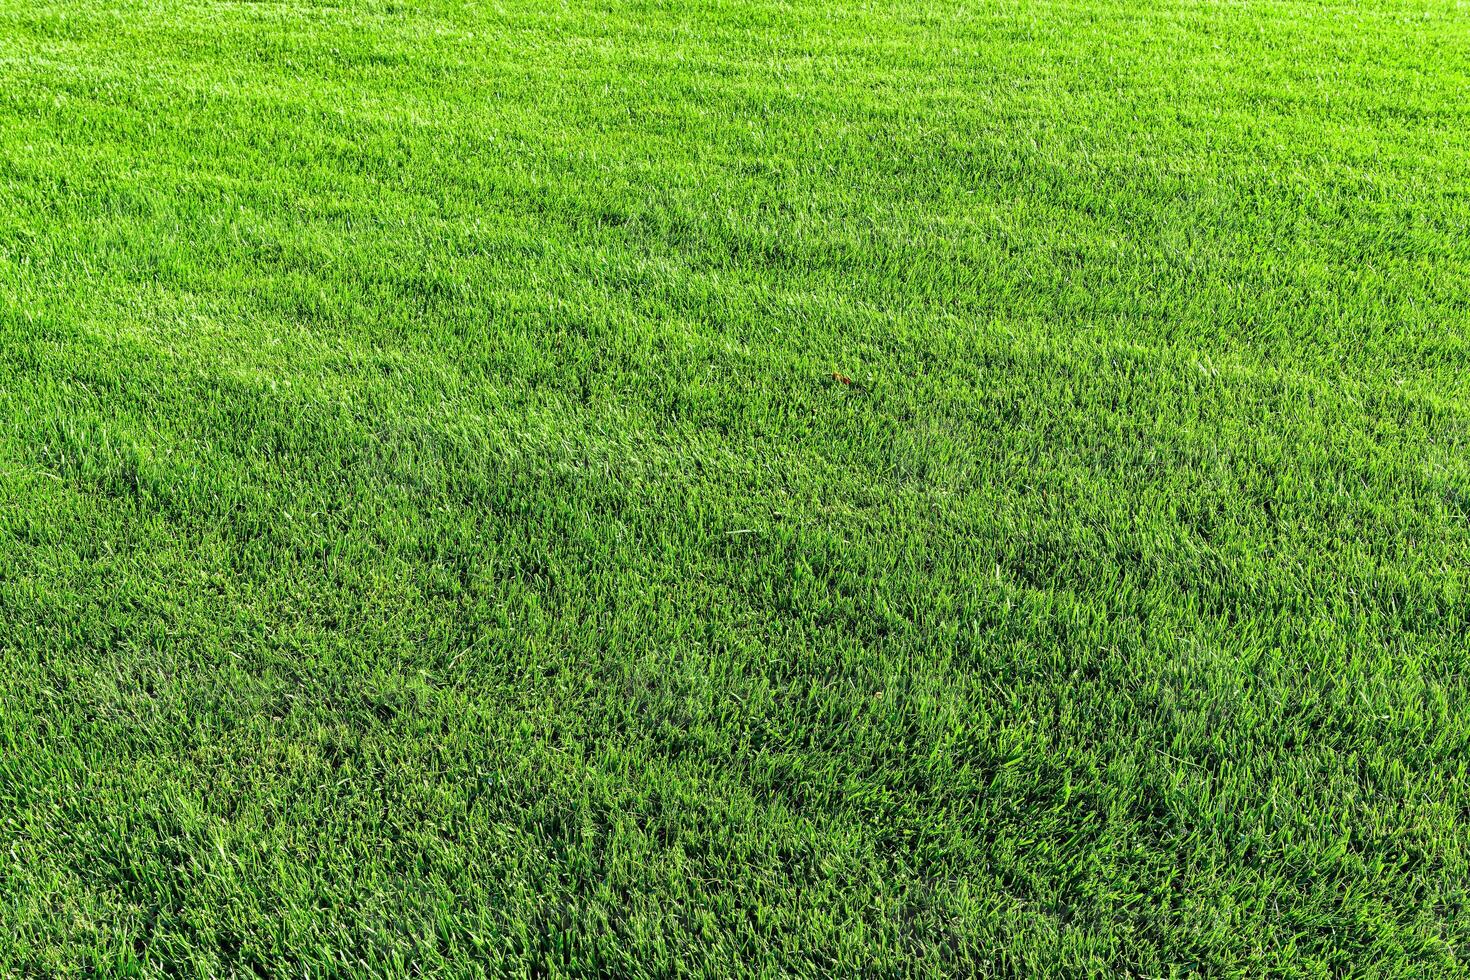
<point x="839" y="376"/>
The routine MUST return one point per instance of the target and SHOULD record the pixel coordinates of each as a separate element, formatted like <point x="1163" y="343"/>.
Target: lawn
<point x="734" y="487"/>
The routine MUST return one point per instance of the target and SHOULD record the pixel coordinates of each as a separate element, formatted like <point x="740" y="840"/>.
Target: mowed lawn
<point x="734" y="487"/>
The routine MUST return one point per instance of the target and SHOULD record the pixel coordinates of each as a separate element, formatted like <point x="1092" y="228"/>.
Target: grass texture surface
<point x="734" y="487"/>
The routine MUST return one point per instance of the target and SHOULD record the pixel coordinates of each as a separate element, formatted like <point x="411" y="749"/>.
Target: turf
<point x="734" y="487"/>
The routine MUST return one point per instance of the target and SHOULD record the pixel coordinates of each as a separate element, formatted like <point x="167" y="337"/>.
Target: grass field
<point x="734" y="487"/>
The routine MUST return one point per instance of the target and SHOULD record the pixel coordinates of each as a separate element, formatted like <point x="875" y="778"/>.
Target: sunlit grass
<point x="723" y="488"/>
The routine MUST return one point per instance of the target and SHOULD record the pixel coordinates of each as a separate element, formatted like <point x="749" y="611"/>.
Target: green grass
<point x="435" y="538"/>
